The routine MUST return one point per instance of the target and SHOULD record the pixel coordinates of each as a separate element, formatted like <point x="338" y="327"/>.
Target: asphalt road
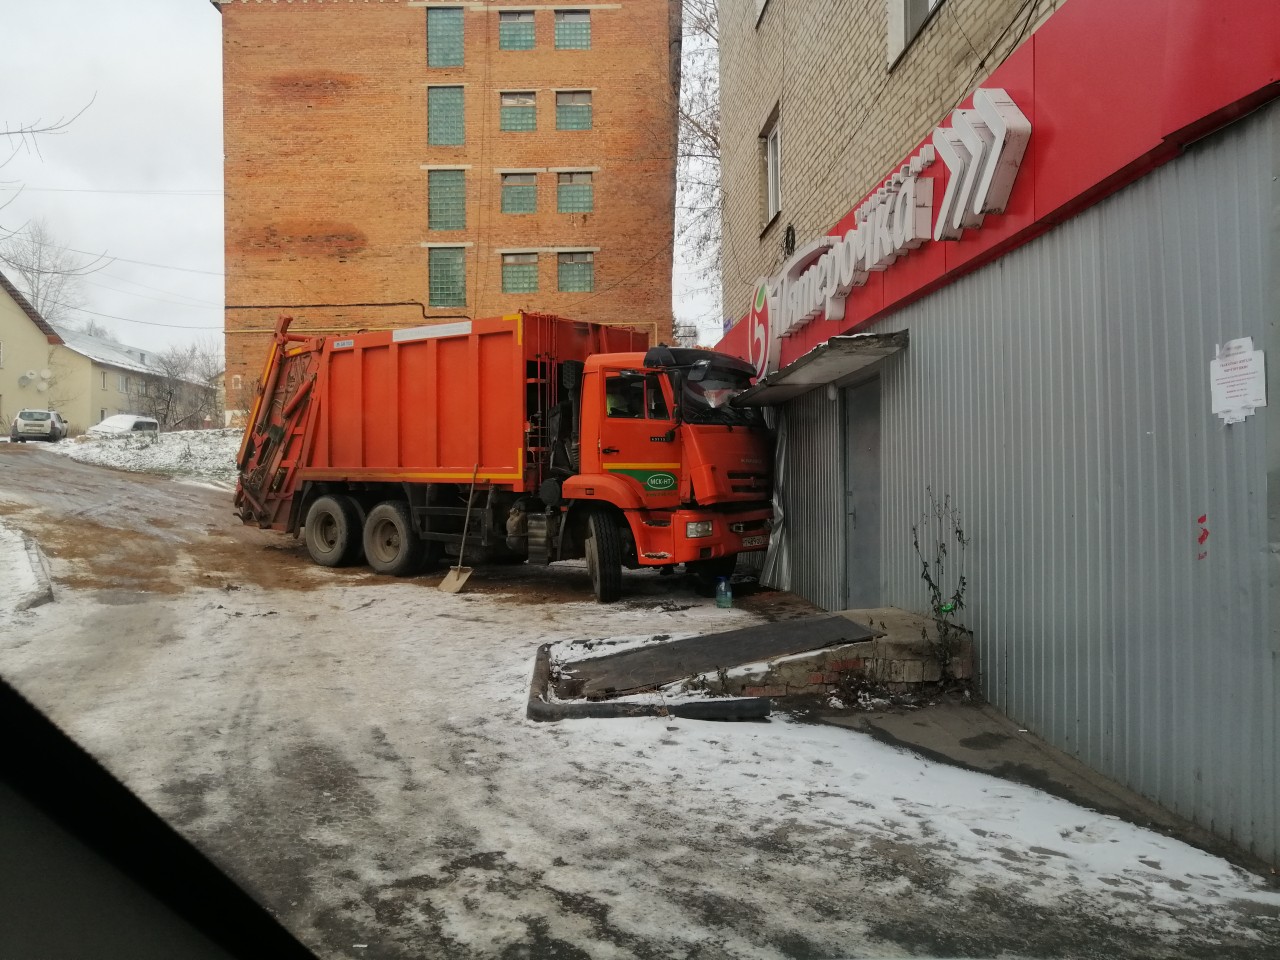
<point x="352" y="749"/>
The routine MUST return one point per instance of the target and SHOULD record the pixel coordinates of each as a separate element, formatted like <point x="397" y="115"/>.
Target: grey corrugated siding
<point x="1061" y="396"/>
<point x="814" y="500"/>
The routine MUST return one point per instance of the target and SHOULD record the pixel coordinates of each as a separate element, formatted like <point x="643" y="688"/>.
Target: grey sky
<point x="153" y="70"/>
<point x="138" y="176"/>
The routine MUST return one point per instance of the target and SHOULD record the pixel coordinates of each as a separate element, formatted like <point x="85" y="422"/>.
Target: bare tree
<point x="47" y="272"/>
<point x="698" y="189"/>
<point x="182" y="392"/>
<point x="26" y="136"/>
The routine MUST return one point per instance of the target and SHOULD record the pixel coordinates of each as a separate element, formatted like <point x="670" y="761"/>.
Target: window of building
<point x="444" y="116"/>
<point x="1" y="354"/>
<point x="573" y="29"/>
<point x="906" y="19"/>
<point x="573" y="110"/>
<point x="574" y="193"/>
<point x="772" y="172"/>
<point x="519" y="273"/>
<point x="446" y="200"/>
<point x="519" y="112"/>
<point x="519" y="193"/>
<point x="446" y="277"/>
<point x="122" y="383"/>
<point x="444" y="37"/>
<point x="577" y="272"/>
<point x="236" y="382"/>
<point x="102" y="414"/>
<point x="515" y="30"/>
<point x="104" y="379"/>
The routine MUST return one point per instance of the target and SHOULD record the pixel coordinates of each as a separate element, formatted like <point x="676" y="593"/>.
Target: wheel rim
<point x="386" y="541"/>
<point x="327" y="532"/>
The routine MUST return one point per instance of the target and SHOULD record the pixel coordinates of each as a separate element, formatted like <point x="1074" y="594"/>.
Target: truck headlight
<point x="697" y="528"/>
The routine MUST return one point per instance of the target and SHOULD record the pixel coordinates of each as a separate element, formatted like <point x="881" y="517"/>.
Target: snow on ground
<point x="197" y="456"/>
<point x="359" y="756"/>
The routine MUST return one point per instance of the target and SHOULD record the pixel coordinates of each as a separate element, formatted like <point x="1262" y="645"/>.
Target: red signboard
<point x="1111" y="90"/>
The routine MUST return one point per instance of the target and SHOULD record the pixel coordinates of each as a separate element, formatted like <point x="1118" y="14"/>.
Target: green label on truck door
<point x="651" y="476"/>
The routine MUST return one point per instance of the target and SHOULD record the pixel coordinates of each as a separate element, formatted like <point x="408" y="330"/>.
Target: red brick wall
<point x="325" y="109"/>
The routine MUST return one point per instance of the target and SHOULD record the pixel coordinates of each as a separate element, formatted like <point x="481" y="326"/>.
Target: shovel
<point x="458" y="576"/>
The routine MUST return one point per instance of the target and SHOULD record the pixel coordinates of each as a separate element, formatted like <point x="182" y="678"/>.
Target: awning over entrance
<point x="831" y="362"/>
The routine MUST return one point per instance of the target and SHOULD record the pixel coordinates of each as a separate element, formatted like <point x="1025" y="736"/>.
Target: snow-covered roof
<point x="109" y="353"/>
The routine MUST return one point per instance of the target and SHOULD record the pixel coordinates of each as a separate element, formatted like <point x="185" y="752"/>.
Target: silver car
<point x="37" y="425"/>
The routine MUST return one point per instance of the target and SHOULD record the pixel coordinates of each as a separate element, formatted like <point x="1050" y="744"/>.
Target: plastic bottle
<point x="724" y="593"/>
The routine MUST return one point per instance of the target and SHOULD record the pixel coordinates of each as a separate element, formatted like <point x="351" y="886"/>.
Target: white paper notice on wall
<point x="1237" y="380"/>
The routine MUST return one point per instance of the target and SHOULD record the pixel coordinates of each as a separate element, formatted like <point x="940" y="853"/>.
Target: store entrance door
<point x="862" y="494"/>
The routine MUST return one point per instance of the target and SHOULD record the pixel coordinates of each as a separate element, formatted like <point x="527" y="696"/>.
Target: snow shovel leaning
<point x="458" y="576"/>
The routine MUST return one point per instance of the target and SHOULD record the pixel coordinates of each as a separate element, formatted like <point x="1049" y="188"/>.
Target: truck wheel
<point x="390" y="544"/>
<point x="333" y="532"/>
<point x="604" y="557"/>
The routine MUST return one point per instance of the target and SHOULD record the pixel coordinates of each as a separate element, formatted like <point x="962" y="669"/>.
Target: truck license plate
<point x="754" y="541"/>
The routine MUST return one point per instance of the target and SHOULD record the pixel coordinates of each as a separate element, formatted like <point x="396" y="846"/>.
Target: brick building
<point x="445" y="160"/>
<point x="835" y="93"/>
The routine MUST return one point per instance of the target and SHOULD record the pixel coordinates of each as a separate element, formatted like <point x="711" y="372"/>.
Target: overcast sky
<point x="138" y="175"/>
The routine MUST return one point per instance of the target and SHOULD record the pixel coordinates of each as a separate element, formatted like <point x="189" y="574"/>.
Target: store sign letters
<point x="982" y="150"/>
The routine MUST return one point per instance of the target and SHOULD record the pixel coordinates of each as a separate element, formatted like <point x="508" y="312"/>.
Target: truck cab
<point x="665" y="459"/>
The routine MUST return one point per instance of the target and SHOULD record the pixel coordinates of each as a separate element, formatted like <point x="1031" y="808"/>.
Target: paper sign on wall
<point x="1237" y="380"/>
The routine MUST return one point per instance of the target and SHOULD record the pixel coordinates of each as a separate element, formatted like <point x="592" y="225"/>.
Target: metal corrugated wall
<point x="812" y="499"/>
<point x="1061" y="396"/>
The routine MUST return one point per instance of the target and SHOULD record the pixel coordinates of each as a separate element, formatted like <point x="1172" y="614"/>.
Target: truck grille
<point x="742" y="482"/>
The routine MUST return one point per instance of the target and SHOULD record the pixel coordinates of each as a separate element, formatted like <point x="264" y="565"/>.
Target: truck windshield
<point x="708" y="394"/>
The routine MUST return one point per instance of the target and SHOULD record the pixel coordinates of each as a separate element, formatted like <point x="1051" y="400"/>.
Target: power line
<point x="144" y="323"/>
<point x="144" y="193"/>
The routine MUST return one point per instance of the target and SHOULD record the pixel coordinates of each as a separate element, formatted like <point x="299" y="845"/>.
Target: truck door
<point x="638" y="436"/>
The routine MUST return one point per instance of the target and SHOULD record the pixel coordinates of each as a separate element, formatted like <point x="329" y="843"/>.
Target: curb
<point x="23" y="566"/>
<point x="544" y="710"/>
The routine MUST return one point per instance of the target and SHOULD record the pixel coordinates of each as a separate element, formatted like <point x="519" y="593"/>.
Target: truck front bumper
<point x="663" y="539"/>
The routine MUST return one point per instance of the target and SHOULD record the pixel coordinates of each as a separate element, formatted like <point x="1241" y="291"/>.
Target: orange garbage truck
<point x="559" y="439"/>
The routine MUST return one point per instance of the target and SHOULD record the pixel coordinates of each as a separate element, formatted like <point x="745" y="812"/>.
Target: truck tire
<point x="390" y="544"/>
<point x="333" y="532"/>
<point x="604" y="556"/>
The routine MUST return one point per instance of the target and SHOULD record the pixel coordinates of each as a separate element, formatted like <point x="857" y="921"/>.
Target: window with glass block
<point x="519" y="112"/>
<point x="573" y="110"/>
<point x="444" y="116"/>
<point x="446" y="200"/>
<point x="519" y="193"/>
<point x="444" y="37"/>
<point x="573" y="29"/>
<point x="574" y="193"/>
<point x="446" y="277"/>
<point x="519" y="273"/>
<point x="577" y="272"/>
<point x="515" y="30"/>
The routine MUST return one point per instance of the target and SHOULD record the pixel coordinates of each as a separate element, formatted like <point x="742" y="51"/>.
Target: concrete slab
<point x="652" y="666"/>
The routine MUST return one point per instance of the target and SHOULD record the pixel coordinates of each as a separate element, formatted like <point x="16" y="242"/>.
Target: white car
<point x="37" y="425"/>
<point x="123" y="423"/>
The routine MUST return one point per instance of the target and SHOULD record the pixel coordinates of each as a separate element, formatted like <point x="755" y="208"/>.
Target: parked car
<point x="123" y="423"/>
<point x="37" y="425"/>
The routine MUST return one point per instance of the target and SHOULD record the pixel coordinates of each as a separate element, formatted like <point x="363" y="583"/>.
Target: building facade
<point x="1051" y="300"/>
<point x="398" y="163"/>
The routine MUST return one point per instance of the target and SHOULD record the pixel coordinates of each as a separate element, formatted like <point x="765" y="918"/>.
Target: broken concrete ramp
<point x="635" y="671"/>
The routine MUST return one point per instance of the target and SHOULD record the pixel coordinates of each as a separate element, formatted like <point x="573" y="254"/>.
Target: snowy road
<point x="354" y="751"/>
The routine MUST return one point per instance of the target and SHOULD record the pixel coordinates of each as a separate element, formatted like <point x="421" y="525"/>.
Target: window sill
<point x="769" y="226"/>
